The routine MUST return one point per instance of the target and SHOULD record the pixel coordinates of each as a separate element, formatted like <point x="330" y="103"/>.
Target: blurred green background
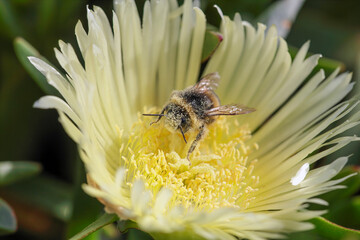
<point x="51" y="204"/>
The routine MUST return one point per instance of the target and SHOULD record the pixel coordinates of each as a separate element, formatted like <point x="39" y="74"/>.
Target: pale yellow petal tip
<point x="218" y="9"/>
<point x="46" y="102"/>
<point x="37" y="104"/>
<point x="39" y="64"/>
<point x="33" y="60"/>
<point x="300" y="175"/>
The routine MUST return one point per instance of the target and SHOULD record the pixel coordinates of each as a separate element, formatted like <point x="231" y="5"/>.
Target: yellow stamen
<point x="218" y="174"/>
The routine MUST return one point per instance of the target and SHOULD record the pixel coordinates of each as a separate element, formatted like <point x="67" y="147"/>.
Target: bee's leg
<point x="196" y="141"/>
<point x="182" y="132"/>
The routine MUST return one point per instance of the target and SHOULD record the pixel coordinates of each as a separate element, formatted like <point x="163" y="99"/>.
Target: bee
<point x="195" y="108"/>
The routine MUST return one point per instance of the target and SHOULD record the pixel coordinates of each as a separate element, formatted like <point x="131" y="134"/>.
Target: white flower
<point x="250" y="176"/>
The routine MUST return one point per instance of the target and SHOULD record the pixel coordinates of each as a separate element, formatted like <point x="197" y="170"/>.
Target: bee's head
<point x="176" y="118"/>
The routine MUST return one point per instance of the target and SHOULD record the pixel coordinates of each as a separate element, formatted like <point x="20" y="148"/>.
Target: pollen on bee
<point x="219" y="175"/>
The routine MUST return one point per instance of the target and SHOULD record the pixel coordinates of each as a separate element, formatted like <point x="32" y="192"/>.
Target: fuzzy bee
<point x="196" y="107"/>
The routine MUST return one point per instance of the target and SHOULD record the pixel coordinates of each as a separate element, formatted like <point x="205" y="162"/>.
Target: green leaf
<point x="46" y="193"/>
<point x="329" y="65"/>
<point x="23" y="50"/>
<point x="340" y="200"/>
<point x="99" y="223"/>
<point x="14" y="171"/>
<point x="211" y="43"/>
<point x="308" y="235"/>
<point x="345" y="207"/>
<point x="330" y="230"/>
<point x="8" y="222"/>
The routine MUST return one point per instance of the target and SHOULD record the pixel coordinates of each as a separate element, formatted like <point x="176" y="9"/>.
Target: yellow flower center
<point x="217" y="175"/>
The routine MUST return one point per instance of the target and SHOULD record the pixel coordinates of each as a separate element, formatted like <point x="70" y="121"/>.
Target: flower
<point x="249" y="177"/>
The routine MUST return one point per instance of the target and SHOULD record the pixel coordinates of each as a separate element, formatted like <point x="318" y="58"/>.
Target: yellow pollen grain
<point x="219" y="175"/>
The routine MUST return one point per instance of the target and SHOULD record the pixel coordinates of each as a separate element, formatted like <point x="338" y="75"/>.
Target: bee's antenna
<point x="182" y="134"/>
<point x="150" y="114"/>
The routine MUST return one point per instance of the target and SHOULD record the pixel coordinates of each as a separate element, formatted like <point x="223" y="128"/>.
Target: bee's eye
<point x="183" y="121"/>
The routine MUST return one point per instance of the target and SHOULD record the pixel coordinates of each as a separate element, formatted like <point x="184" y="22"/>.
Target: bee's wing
<point x="231" y="109"/>
<point x="208" y="82"/>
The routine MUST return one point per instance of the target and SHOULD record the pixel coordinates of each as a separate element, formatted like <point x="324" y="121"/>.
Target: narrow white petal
<point x="162" y="200"/>
<point x="184" y="45"/>
<point x="48" y="102"/>
<point x="196" y="48"/>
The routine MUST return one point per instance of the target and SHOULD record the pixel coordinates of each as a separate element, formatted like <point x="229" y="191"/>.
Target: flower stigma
<point x="218" y="174"/>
